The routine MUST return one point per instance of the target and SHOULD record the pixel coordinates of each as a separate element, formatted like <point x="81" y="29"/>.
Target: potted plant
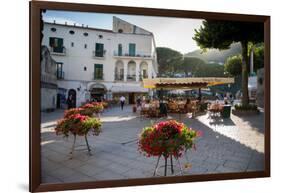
<point x="167" y="139"/>
<point x="105" y="105"/>
<point x="78" y="125"/>
<point x="249" y="109"/>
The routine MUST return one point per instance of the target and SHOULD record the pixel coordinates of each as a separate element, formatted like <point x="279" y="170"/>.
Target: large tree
<point x="169" y="60"/>
<point x="192" y="64"/>
<point x="221" y="34"/>
<point x="233" y="65"/>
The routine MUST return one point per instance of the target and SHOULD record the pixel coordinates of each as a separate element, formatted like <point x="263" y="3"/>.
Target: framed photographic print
<point x="123" y="96"/>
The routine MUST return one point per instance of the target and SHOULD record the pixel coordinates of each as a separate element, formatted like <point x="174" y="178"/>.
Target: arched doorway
<point x="97" y="92"/>
<point x="131" y="71"/>
<point x="143" y="70"/>
<point x="119" y="71"/>
<point x="71" y="100"/>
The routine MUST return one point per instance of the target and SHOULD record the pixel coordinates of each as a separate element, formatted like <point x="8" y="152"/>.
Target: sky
<point x="175" y="33"/>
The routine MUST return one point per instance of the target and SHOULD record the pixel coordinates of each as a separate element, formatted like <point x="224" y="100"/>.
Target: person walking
<point x="122" y="101"/>
<point x="138" y="101"/>
<point x="69" y="102"/>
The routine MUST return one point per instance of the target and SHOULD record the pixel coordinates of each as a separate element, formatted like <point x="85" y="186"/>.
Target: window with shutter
<point x="99" y="50"/>
<point x="56" y="44"/>
<point x="132" y="49"/>
<point x="98" y="73"/>
<point x="119" y="49"/>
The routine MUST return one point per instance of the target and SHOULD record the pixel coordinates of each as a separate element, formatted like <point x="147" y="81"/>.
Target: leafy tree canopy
<point x="233" y="65"/>
<point x="168" y="60"/>
<point x="221" y="34"/>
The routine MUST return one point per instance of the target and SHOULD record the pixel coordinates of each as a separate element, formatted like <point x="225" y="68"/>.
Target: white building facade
<point x="97" y="63"/>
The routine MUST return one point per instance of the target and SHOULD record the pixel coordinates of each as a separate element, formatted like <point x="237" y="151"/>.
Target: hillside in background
<point x="215" y="55"/>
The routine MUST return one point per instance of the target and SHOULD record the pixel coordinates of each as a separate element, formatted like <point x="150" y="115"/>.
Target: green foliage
<point x="221" y="34"/>
<point x="215" y="55"/>
<point x="259" y="56"/>
<point x="192" y="64"/>
<point x="168" y="60"/>
<point x="92" y="123"/>
<point x="78" y="125"/>
<point x="200" y="68"/>
<point x="233" y="65"/>
<point x="167" y="138"/>
<point x="247" y="107"/>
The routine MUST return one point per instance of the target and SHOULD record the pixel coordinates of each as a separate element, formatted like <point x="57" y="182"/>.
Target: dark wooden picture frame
<point x="35" y="43"/>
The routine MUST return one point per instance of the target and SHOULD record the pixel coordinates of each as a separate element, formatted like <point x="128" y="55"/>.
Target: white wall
<point x="77" y="56"/>
<point x="15" y="97"/>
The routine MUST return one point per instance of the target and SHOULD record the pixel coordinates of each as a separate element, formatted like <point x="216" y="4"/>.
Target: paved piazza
<point x="227" y="145"/>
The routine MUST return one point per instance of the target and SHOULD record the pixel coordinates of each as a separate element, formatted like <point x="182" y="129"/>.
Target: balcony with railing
<point x="60" y="51"/>
<point x="135" y="55"/>
<point x="97" y="54"/>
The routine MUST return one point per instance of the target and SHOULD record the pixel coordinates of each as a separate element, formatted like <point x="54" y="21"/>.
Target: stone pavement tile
<point x="213" y="160"/>
<point x="99" y="162"/>
<point x="149" y="160"/>
<point x="210" y="166"/>
<point x="135" y="173"/>
<point x="130" y="155"/>
<point x="57" y="147"/>
<point x="197" y="159"/>
<point x="78" y="177"/>
<point x="50" y="179"/>
<point x="243" y="155"/>
<point x="108" y="175"/>
<point x="255" y="167"/>
<point x="48" y="166"/>
<point x="224" y="169"/>
<point x="83" y="156"/>
<point x="237" y="159"/>
<point x="242" y="166"/>
<point x="90" y="170"/>
<point x="195" y="170"/>
<point x="73" y="163"/>
<point x="57" y="157"/>
<point x="141" y="165"/>
<point x="118" y="168"/>
<point x="62" y="173"/>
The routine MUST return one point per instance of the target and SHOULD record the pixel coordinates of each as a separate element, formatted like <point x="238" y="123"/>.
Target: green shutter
<point x="98" y="71"/>
<point x="60" y="45"/>
<point x="132" y="49"/>
<point x="99" y="50"/>
<point x="52" y="42"/>
<point x="56" y="44"/>
<point x="119" y="49"/>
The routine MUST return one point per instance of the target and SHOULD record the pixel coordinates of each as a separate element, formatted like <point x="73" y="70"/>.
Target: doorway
<point x="131" y="98"/>
<point x="71" y="101"/>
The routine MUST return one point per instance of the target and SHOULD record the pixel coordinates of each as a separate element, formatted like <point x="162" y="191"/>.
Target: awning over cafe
<point x="128" y="89"/>
<point x="185" y="83"/>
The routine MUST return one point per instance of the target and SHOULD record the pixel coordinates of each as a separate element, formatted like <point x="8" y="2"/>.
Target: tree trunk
<point x="245" y="97"/>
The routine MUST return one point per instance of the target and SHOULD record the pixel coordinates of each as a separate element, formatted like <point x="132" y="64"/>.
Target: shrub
<point x="248" y="107"/>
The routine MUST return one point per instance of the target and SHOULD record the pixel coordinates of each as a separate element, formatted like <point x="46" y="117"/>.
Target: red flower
<point x="166" y="138"/>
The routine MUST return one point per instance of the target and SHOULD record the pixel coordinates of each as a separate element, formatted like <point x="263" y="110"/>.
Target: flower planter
<point x="167" y="139"/>
<point x="78" y="122"/>
<point x="245" y="112"/>
<point x="169" y="168"/>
